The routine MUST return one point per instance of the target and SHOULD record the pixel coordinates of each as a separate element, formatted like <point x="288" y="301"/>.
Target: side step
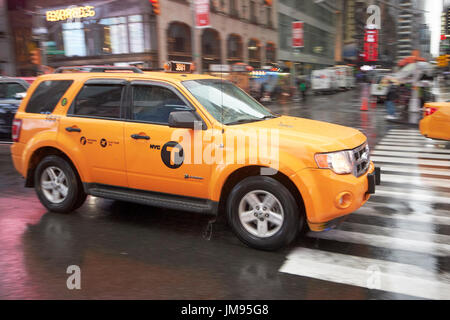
<point x="155" y="199"/>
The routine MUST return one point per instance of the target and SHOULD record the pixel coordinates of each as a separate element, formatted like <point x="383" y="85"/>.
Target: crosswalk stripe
<point x="395" y="142"/>
<point x="406" y="135"/>
<point x="398" y="232"/>
<point x="407" y="154"/>
<point x="368" y="211"/>
<point x="413" y="170"/>
<point x="387" y="242"/>
<point x="411" y="161"/>
<point x="415" y="180"/>
<point x="367" y="273"/>
<point x="405" y="130"/>
<point x="413" y="194"/>
<point x="413" y="149"/>
<point x="403" y="140"/>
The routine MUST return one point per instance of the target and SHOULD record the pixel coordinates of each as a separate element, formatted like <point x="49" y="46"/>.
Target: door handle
<point x="73" y="129"/>
<point x="138" y="136"/>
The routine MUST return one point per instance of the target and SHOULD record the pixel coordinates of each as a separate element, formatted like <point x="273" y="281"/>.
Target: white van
<point x="324" y="81"/>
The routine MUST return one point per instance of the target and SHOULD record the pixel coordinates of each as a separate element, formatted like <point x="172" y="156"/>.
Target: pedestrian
<point x="302" y="88"/>
<point x="391" y="96"/>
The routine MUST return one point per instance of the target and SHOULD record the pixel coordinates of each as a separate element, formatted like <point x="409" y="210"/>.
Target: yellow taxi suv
<point x="120" y="133"/>
<point x="436" y="120"/>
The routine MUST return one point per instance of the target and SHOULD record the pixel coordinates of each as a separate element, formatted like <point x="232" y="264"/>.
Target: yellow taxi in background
<point x="436" y="120"/>
<point x="157" y="139"/>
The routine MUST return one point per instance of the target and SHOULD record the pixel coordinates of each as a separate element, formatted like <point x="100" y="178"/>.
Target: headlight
<point x="340" y="162"/>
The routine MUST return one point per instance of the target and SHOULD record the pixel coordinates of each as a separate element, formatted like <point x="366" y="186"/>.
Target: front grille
<point x="361" y="159"/>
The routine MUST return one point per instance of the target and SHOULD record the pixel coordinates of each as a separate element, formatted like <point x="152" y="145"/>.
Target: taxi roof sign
<point x="179" y="67"/>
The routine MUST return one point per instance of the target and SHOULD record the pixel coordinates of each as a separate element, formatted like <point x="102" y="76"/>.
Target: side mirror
<point x="183" y="119"/>
<point x="20" y="95"/>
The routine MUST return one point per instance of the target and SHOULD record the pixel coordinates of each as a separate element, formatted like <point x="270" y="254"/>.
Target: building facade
<point x="413" y="33"/>
<point x="83" y="32"/>
<point x="6" y="53"/>
<point x="240" y="31"/>
<point x="319" y="32"/>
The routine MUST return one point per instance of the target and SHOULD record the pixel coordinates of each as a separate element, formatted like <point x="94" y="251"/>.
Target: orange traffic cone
<point x="364" y="104"/>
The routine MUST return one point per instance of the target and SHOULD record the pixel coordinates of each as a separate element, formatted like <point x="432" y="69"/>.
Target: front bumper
<point x="329" y="197"/>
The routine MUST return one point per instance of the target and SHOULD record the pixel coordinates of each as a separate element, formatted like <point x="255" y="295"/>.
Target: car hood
<point x="302" y="138"/>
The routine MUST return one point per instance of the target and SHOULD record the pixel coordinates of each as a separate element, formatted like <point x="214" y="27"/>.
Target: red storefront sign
<point x="202" y="13"/>
<point x="297" y="34"/>
<point x="371" y="45"/>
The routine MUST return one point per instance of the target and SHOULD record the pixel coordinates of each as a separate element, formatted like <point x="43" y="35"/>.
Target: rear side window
<point x="98" y="101"/>
<point x="47" y="95"/>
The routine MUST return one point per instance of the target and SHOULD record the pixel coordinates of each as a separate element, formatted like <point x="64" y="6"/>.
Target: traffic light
<point x="36" y="56"/>
<point x="268" y="2"/>
<point x="155" y="7"/>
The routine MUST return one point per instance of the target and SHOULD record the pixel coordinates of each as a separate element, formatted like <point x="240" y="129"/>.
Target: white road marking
<point x="413" y="149"/>
<point x="369" y="211"/>
<point x="412" y="155"/>
<point x="412" y="144"/>
<point x="411" y="161"/>
<point x="413" y="170"/>
<point x="413" y="194"/>
<point x="397" y="232"/>
<point x="381" y="241"/>
<point x="415" y="180"/>
<point x="368" y="273"/>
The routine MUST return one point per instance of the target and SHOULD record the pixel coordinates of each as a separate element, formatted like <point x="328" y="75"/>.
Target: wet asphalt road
<point x="397" y="246"/>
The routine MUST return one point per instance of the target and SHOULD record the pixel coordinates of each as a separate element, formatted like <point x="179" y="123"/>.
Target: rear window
<point x="47" y="95"/>
<point x="98" y="101"/>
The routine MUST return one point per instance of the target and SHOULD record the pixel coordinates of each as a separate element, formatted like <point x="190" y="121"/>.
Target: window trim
<point x="99" y="82"/>
<point x="153" y="83"/>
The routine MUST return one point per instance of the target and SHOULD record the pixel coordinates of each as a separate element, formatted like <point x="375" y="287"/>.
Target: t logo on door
<point x="172" y="154"/>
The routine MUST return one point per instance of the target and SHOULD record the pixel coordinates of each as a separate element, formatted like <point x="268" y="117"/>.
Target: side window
<point x="47" y="95"/>
<point x="12" y="89"/>
<point x="155" y="103"/>
<point x="2" y="91"/>
<point x="98" y="100"/>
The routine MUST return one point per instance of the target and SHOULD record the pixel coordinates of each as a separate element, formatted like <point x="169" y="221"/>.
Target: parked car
<point x="12" y="91"/>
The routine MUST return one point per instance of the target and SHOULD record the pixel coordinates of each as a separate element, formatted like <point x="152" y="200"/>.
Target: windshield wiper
<point x="243" y="121"/>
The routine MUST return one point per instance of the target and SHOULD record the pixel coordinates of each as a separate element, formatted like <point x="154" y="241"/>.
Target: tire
<point x="276" y="236"/>
<point x="45" y="183"/>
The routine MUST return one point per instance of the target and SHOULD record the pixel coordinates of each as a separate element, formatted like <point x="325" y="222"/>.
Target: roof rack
<point x="98" y="69"/>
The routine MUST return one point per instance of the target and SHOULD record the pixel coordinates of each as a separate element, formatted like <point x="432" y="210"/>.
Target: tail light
<point x="16" y="127"/>
<point x="429" y="111"/>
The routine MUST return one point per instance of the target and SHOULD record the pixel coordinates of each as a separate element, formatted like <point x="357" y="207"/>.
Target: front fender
<point x="220" y="173"/>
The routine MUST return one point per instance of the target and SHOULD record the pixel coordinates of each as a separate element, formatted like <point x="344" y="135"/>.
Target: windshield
<point x="225" y="102"/>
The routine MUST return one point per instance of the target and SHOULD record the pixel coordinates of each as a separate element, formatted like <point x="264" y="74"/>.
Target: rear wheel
<point x="57" y="185"/>
<point x="263" y="213"/>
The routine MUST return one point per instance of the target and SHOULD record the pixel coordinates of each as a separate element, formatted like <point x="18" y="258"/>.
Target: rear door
<point x="94" y="128"/>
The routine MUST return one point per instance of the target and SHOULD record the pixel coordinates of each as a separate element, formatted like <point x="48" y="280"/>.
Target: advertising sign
<point x="297" y="34"/>
<point x="202" y="13"/>
<point x="371" y="45"/>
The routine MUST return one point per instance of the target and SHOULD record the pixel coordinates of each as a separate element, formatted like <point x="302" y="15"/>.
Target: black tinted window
<point x="99" y="101"/>
<point x="47" y="95"/>
<point x="154" y="104"/>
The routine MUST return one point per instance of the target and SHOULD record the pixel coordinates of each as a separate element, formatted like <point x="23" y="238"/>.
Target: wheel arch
<point x="41" y="153"/>
<point x="255" y="170"/>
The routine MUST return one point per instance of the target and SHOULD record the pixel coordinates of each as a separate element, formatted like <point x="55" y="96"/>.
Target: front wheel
<point x="263" y="213"/>
<point x="57" y="185"/>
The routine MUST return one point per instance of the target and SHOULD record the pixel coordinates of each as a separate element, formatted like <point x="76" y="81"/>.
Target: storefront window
<point x="74" y="41"/>
<point x="104" y="33"/>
